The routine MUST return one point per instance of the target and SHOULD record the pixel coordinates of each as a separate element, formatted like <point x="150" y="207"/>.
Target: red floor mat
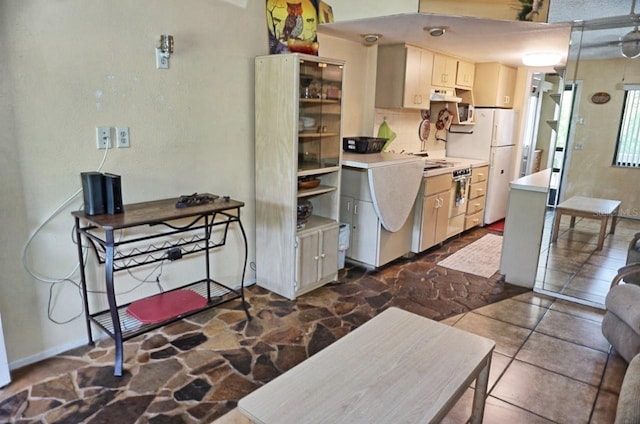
<point x="164" y="306"/>
<point x="497" y="226"/>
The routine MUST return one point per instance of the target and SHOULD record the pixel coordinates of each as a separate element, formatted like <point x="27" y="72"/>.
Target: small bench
<point x="588" y="207"/>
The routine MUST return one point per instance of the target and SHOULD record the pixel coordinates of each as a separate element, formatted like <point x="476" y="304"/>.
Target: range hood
<point x="444" y="95"/>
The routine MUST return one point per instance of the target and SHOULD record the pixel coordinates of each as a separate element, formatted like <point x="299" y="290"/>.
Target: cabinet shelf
<point x="316" y="134"/>
<point x="317" y="171"/>
<point x="321" y="189"/>
<point x="319" y="101"/>
<point x="314" y="223"/>
<point x="556" y="97"/>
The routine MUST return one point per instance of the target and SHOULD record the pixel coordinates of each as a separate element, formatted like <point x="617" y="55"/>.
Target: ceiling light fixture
<point x="541" y="58"/>
<point x="436" y="31"/>
<point x="370" y="39"/>
<point x="630" y="44"/>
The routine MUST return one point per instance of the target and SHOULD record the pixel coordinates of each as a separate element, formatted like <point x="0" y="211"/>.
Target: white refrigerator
<point x="492" y="138"/>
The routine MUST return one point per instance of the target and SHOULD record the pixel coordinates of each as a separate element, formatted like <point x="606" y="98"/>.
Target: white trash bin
<point x="343" y="244"/>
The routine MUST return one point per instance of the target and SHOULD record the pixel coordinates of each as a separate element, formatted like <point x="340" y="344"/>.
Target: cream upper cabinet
<point x="465" y="74"/>
<point x="444" y="71"/>
<point x="404" y="77"/>
<point x="495" y="85"/>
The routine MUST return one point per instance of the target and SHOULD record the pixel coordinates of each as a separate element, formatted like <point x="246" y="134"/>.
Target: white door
<point x="500" y="171"/>
<point x="5" y="377"/>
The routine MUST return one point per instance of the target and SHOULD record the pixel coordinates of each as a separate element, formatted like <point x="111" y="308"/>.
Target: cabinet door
<point x="465" y="74"/>
<point x="444" y="71"/>
<point x="506" y="87"/>
<point x="442" y="217"/>
<point x="430" y="206"/>
<point x="308" y="257"/>
<point x="364" y="231"/>
<point x="328" y="253"/>
<point x="419" y="64"/>
<point x="495" y="85"/>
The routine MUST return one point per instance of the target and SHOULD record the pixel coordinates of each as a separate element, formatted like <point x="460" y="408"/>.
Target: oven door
<point x="458" y="199"/>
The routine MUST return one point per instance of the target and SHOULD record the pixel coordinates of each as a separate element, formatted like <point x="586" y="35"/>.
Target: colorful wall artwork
<point x="292" y="26"/>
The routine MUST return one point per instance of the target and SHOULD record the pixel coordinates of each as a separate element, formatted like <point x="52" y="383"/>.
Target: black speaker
<point x="113" y="192"/>
<point x="93" y="193"/>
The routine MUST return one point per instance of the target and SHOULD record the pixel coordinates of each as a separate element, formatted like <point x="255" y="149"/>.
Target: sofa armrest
<point x="628" y="410"/>
<point x="626" y="271"/>
<point x="623" y="301"/>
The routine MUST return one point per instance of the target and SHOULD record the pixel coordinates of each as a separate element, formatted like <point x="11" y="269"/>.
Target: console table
<point x="151" y="232"/>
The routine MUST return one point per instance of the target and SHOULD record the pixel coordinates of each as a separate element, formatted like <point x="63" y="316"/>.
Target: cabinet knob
<point x="316" y="258"/>
<point x="322" y="256"/>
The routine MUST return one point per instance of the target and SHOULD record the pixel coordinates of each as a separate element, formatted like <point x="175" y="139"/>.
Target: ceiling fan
<point x="629" y="43"/>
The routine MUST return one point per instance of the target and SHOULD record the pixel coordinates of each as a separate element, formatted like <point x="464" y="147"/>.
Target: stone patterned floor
<point x="196" y="370"/>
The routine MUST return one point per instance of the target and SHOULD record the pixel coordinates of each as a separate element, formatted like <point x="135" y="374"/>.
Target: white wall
<point x="69" y="66"/>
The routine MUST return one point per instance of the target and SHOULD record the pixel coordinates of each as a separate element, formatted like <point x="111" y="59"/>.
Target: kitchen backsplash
<point x="406" y="124"/>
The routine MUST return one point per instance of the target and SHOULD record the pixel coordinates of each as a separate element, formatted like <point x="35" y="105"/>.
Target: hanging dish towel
<point x="385" y="132"/>
<point x="461" y="189"/>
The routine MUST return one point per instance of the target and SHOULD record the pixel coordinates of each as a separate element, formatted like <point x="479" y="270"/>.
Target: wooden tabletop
<point x="156" y="211"/>
<point x="396" y="368"/>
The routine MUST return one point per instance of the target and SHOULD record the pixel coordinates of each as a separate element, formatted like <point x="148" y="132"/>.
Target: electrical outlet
<point x="122" y="137"/>
<point x="103" y="137"/>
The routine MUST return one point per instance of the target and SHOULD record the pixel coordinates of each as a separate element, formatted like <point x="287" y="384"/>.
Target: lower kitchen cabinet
<point x="477" y="197"/>
<point x="369" y="242"/>
<point x="316" y="256"/>
<point x="431" y="216"/>
<point x="363" y="221"/>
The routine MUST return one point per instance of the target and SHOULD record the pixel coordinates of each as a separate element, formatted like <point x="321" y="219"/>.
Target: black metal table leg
<point x="83" y="282"/>
<point x="113" y="306"/>
<point x="244" y="267"/>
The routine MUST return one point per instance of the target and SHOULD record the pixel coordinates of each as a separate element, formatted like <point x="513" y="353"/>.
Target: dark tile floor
<point x="550" y="365"/>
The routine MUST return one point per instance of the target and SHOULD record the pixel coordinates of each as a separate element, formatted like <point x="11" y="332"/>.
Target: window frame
<point x="629" y="122"/>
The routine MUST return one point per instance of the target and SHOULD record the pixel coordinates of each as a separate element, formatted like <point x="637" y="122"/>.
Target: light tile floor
<point x="551" y="363"/>
<point x="573" y="267"/>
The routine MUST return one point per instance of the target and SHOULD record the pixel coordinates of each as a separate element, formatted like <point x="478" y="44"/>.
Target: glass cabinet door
<point x="320" y="90"/>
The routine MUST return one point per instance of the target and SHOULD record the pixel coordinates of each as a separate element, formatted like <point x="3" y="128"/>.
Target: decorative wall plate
<point x="600" y="98"/>
<point x="424" y="129"/>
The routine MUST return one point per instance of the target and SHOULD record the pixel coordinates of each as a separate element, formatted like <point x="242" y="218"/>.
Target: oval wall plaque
<point x="600" y="98"/>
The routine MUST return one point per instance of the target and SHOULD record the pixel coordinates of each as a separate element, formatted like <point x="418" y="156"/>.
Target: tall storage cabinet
<point x="298" y="137"/>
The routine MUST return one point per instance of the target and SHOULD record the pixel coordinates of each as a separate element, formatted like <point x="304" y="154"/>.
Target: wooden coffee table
<point x="396" y="368"/>
<point x="587" y="207"/>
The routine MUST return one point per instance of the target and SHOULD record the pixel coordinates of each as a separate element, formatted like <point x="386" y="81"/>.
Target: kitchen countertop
<point x="533" y="182"/>
<point x="372" y="160"/>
